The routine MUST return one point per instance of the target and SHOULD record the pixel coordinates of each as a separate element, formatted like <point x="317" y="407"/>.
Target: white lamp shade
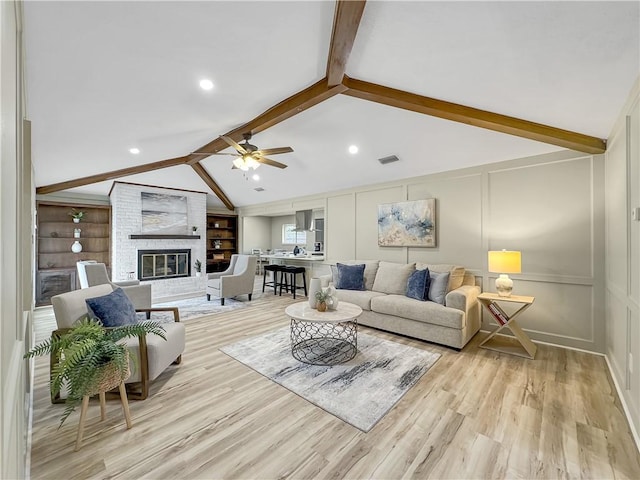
<point x="505" y="261"/>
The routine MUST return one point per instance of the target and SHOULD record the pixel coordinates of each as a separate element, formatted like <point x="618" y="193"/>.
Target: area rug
<point x="191" y="308"/>
<point x="359" y="392"/>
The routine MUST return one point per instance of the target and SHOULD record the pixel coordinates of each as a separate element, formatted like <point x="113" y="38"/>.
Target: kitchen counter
<point x="287" y="258"/>
<point x="314" y="264"/>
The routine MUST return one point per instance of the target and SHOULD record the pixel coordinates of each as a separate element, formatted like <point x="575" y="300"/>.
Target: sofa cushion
<point x="362" y="298"/>
<point x="418" y="285"/>
<point x="392" y="277"/>
<point x="113" y="310"/>
<point x="370" y="269"/>
<point x="438" y="287"/>
<point x="456" y="273"/>
<point x="426" y="312"/>
<point x="350" y="277"/>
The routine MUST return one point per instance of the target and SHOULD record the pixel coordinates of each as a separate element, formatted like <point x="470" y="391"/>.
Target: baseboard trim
<point x="623" y="402"/>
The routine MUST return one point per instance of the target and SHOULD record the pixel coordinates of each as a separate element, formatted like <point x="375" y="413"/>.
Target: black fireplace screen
<point x="157" y="264"/>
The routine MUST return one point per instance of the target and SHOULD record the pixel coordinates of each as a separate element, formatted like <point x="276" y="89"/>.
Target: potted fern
<point x="198" y="267"/>
<point x="86" y="353"/>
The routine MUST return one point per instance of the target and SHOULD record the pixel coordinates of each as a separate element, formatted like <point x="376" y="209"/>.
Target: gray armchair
<point x="92" y="273"/>
<point x="236" y="280"/>
<point x="149" y="355"/>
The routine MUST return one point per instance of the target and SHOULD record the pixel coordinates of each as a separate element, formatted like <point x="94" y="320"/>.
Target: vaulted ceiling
<point x="421" y="77"/>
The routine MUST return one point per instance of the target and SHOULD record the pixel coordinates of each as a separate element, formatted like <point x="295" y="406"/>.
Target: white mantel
<point x="126" y="205"/>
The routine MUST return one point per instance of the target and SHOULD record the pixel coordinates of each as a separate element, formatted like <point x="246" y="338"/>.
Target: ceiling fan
<point x="249" y="156"/>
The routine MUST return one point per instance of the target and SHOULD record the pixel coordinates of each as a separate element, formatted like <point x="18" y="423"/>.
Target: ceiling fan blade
<point x="274" y="151"/>
<point x="205" y="154"/>
<point x="233" y="144"/>
<point x="268" y="161"/>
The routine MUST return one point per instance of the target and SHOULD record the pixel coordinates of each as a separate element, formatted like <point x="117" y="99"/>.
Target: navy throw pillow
<point x="438" y="287"/>
<point x="350" y="277"/>
<point x="418" y="285"/>
<point x="113" y="310"/>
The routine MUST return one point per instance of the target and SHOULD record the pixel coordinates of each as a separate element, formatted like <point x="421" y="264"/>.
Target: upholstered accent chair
<point x="92" y="273"/>
<point x="149" y="355"/>
<point x="236" y="280"/>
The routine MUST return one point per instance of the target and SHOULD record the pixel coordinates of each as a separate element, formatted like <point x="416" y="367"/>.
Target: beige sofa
<point x="385" y="305"/>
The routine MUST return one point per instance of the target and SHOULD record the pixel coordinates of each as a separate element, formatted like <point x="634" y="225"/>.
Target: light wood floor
<point x="475" y="414"/>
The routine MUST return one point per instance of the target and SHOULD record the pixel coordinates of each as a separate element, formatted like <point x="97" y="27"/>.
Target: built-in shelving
<point x="222" y="233"/>
<point x="55" y="262"/>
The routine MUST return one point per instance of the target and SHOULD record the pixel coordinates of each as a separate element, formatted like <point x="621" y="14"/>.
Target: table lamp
<point x="504" y="262"/>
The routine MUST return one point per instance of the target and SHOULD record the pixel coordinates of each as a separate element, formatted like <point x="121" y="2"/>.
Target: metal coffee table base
<point x="324" y="343"/>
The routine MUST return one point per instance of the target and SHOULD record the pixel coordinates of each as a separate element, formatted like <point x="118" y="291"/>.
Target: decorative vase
<point x="332" y="302"/>
<point x="314" y="287"/>
<point x="198" y="274"/>
<point x="76" y="247"/>
<point x="321" y="306"/>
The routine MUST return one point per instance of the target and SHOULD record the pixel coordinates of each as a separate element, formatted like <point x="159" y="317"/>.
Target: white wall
<point x="16" y="257"/>
<point x="550" y="207"/>
<point x="256" y="233"/>
<point x="622" y="171"/>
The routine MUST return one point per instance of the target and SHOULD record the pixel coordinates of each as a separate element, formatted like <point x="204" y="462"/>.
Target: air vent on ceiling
<point x="259" y="189"/>
<point x="389" y="159"/>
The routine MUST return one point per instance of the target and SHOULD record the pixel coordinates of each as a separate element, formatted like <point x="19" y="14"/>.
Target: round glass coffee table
<point x="324" y="338"/>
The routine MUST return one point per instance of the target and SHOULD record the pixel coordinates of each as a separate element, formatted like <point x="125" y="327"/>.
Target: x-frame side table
<point x="523" y="346"/>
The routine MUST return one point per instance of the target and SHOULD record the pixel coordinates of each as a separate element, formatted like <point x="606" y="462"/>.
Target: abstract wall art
<point x="164" y="214"/>
<point x="407" y="224"/>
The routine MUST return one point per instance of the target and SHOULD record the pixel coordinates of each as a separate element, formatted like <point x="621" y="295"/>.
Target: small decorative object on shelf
<point x="198" y="266"/>
<point x="321" y="297"/>
<point x="76" y="215"/>
<point x="216" y="225"/>
<point x="76" y="247"/>
<point x="194" y="230"/>
<point x="76" y="232"/>
<point x="217" y="244"/>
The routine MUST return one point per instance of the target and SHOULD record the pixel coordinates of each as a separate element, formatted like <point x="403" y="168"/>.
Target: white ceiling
<point x="106" y="76"/>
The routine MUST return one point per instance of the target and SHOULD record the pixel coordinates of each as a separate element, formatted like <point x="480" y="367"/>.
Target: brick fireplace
<point x="172" y="273"/>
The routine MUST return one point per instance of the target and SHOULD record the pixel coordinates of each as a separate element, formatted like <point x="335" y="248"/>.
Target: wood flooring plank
<point x="474" y="414"/>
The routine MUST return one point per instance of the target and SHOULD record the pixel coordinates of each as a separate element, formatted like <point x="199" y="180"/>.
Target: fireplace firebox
<point x="159" y="264"/>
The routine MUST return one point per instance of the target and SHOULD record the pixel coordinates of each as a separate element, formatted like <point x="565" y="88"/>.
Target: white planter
<point x="314" y="287"/>
<point x="198" y="274"/>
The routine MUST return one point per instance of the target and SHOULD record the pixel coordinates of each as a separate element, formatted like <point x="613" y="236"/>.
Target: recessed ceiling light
<point x="353" y="149"/>
<point x="134" y="150"/>
<point x="256" y="177"/>
<point x="206" y="84"/>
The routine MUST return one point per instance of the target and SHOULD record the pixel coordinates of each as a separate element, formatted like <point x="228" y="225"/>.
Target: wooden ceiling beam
<point x="299" y="102"/>
<point x="211" y="183"/>
<point x="103" y="177"/>
<point x="346" y="21"/>
<point x="473" y="116"/>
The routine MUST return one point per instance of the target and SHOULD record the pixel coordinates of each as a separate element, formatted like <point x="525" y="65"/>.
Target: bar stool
<point x="274" y="269"/>
<point x="289" y="274"/>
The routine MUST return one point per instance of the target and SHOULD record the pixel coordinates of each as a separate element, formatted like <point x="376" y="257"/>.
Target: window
<point x="291" y="237"/>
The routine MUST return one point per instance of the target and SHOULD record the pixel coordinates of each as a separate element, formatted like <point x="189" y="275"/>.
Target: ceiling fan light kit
<point x="249" y="156"/>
